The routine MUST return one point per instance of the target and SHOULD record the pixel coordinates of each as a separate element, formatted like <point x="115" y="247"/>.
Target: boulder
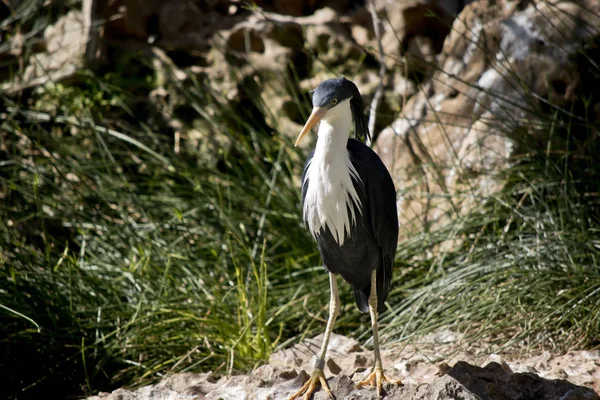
<point x="502" y="67"/>
<point x="414" y="33"/>
<point x="59" y="57"/>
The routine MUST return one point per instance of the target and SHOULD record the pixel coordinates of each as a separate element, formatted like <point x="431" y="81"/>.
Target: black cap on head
<point x="333" y="91"/>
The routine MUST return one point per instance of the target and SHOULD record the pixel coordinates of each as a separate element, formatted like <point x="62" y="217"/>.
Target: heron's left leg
<point x="376" y="376"/>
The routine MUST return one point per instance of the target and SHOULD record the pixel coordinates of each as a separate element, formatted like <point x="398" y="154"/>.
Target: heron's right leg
<point x="318" y="376"/>
<point x="376" y="377"/>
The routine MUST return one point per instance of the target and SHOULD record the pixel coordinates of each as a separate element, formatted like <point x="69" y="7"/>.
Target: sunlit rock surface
<point x="503" y="68"/>
<point x="573" y="376"/>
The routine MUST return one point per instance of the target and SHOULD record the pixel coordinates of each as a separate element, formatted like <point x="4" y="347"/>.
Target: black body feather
<point x="371" y="243"/>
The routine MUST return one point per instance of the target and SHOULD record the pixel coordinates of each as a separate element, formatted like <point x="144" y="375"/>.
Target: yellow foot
<point x="376" y="377"/>
<point x="309" y="387"/>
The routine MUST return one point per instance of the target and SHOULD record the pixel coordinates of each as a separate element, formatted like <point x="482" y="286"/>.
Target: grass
<point x="523" y="272"/>
<point x="141" y="254"/>
<point x="125" y="256"/>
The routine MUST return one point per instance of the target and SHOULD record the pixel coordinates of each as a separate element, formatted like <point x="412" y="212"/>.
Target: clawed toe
<point x="311" y="385"/>
<point x="376" y="378"/>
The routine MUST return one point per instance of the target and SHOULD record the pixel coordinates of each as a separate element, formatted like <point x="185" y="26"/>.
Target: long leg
<point x="376" y="376"/>
<point x="318" y="376"/>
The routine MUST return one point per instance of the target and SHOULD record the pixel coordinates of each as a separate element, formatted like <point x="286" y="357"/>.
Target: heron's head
<point x="329" y="96"/>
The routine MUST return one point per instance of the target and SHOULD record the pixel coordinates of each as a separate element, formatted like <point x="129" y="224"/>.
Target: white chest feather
<point x="331" y="197"/>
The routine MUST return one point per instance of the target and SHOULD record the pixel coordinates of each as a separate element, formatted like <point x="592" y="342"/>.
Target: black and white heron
<point x="349" y="206"/>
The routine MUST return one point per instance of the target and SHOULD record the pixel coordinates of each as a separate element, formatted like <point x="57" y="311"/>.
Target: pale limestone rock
<point x="463" y="123"/>
<point x="504" y="378"/>
<point x="64" y="46"/>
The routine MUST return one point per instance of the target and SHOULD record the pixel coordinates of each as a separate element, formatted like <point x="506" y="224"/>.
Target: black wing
<point x="305" y="179"/>
<point x="381" y="195"/>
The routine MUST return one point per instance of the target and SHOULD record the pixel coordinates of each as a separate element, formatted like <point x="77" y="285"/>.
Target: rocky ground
<point x="434" y="368"/>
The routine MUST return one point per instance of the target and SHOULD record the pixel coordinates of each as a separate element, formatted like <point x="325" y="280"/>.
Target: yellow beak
<point x="316" y="115"/>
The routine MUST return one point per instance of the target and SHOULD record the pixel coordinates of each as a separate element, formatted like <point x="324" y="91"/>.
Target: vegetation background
<point x="124" y="258"/>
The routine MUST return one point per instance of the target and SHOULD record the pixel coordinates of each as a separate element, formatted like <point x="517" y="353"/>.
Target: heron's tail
<point x="362" y="299"/>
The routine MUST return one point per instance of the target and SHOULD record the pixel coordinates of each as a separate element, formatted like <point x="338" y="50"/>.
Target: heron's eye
<point x="334" y="102"/>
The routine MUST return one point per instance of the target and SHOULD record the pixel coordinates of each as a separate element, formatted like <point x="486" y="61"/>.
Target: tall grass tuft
<point x="520" y="271"/>
<point x="123" y="260"/>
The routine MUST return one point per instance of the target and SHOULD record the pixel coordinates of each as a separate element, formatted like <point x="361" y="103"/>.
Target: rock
<point x="331" y="39"/>
<point x="184" y="26"/>
<point x="494" y="382"/>
<point x="464" y="380"/>
<point x="175" y="26"/>
<point x="299" y="8"/>
<point x="62" y="56"/>
<point x="414" y="33"/>
<point x="189" y="384"/>
<point x="346" y="354"/>
<point x="273" y="49"/>
<point x="469" y="118"/>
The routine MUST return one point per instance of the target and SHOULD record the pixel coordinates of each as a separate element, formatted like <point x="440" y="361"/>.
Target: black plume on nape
<point x="361" y="124"/>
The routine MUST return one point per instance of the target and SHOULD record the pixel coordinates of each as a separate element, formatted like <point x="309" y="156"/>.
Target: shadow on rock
<point x="498" y="382"/>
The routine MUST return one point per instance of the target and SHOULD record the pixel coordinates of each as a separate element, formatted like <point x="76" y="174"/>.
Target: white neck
<point x="334" y="131"/>
<point x="330" y="174"/>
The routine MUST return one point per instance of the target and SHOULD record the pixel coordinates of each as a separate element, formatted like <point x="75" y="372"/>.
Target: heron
<point x="349" y="207"/>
